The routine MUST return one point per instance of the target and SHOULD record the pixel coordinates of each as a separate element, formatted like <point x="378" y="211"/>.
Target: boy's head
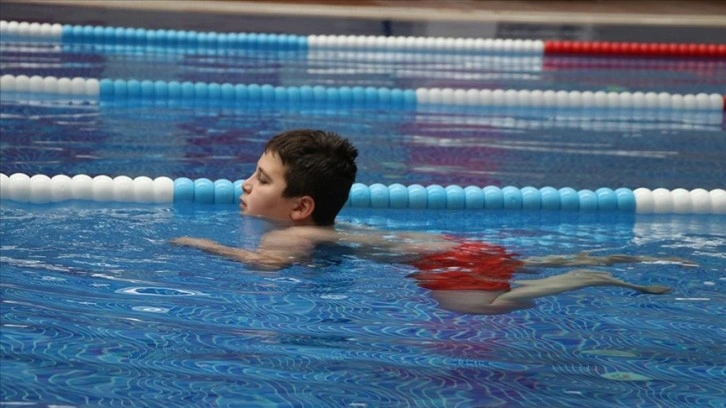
<point x="303" y="176"/>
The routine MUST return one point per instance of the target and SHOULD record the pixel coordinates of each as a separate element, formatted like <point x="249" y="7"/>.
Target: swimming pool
<point x="98" y="308"/>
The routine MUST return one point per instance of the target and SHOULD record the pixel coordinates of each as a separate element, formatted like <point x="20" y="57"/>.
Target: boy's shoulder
<point x="299" y="234"/>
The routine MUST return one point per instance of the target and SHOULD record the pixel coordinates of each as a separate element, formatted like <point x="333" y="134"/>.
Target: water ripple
<point x="158" y="291"/>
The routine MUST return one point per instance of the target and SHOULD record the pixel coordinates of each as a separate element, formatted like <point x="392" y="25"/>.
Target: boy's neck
<point x="308" y="222"/>
<point x="311" y="225"/>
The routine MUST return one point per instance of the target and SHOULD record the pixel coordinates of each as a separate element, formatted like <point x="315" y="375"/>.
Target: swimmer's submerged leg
<point x="523" y="295"/>
<point x="476" y="302"/>
<point x="585" y="259"/>
<point x="575" y="279"/>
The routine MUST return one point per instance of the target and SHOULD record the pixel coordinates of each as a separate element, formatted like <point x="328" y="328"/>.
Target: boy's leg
<point x="585" y="259"/>
<point x="528" y="290"/>
<point x="476" y="302"/>
<point x="523" y="295"/>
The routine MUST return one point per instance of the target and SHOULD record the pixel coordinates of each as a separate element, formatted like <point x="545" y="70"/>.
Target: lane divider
<point x="110" y="90"/>
<point x="179" y="38"/>
<point x="40" y="189"/>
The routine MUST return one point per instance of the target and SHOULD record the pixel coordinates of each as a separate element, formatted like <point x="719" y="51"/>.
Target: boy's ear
<point x="303" y="210"/>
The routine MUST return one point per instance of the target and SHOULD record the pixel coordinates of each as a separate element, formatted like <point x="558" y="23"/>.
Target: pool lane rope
<point x="85" y="34"/>
<point x="42" y="189"/>
<point x="355" y="97"/>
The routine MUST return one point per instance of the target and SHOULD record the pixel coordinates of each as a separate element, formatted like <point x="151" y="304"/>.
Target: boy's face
<point x="262" y="192"/>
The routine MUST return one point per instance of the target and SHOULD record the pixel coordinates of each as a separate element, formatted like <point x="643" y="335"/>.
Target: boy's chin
<point x="247" y="213"/>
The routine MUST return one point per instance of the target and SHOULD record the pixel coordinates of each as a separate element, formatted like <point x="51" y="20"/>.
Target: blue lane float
<point x="265" y="94"/>
<point x="111" y="90"/>
<point x="40" y="189"/>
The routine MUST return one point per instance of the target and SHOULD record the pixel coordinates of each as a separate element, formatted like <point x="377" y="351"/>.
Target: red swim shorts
<point x="469" y="266"/>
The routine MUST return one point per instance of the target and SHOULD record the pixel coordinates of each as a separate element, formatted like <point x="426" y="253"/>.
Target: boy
<point x="302" y="181"/>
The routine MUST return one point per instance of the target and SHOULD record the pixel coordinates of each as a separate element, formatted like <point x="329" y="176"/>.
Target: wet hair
<point x="319" y="164"/>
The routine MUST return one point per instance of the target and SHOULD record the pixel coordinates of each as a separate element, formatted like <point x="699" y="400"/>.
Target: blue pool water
<point x="99" y="310"/>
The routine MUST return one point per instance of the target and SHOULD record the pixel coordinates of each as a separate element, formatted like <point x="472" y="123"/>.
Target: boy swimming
<point x="302" y="181"/>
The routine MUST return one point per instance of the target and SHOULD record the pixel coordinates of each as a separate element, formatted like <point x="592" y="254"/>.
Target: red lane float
<point x="634" y="49"/>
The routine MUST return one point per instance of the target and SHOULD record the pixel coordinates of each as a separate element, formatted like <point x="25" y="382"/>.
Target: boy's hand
<point x="200" y="243"/>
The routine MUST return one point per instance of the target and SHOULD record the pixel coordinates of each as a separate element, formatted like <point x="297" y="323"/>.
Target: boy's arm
<point x="277" y="249"/>
<point x="264" y="259"/>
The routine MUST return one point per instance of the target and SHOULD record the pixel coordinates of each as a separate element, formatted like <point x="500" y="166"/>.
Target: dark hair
<point x="319" y="164"/>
